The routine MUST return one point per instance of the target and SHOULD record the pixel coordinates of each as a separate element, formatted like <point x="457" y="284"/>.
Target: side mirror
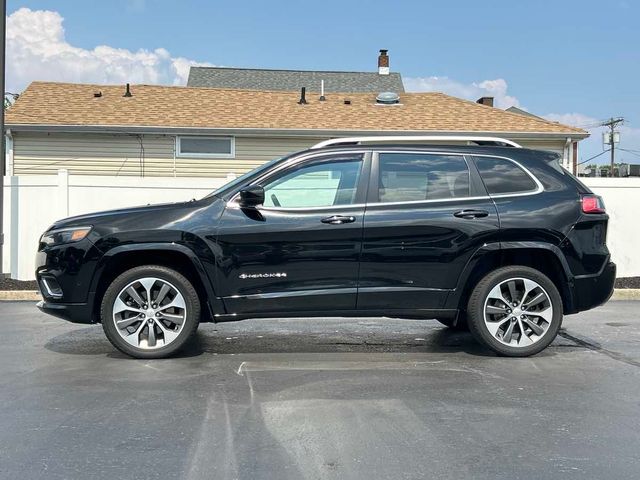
<point x="252" y="196"/>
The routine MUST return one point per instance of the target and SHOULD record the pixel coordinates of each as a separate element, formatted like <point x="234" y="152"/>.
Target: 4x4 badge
<point x="244" y="276"/>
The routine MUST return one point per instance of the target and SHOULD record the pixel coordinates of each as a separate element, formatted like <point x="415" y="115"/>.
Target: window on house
<point x="410" y="177"/>
<point x="206" y="147"/>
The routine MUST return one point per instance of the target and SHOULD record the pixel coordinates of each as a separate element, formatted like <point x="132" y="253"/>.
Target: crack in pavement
<point x="596" y="347"/>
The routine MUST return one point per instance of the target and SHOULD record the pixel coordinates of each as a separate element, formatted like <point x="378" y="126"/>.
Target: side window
<point x="407" y="177"/>
<point x="322" y="184"/>
<point x="502" y="176"/>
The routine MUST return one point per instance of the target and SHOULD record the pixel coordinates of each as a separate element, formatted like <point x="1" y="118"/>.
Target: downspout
<point x="175" y="147"/>
<point x="566" y="160"/>
<point x="9" y="158"/>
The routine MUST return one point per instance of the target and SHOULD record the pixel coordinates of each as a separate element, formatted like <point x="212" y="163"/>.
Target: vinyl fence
<point x="33" y="203"/>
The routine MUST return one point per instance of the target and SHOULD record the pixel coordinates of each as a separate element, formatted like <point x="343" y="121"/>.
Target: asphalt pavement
<point x="326" y="398"/>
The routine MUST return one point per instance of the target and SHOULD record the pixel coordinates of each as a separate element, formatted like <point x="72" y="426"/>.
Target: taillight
<point x="592" y="204"/>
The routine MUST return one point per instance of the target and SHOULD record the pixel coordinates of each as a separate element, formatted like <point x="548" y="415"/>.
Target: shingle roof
<point x="68" y="104"/>
<point x="260" y="79"/>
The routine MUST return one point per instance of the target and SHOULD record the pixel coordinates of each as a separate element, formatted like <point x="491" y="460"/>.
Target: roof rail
<point x="416" y="139"/>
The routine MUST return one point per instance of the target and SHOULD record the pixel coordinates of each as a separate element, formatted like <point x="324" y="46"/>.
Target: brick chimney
<point x="488" y="101"/>
<point x="383" y="63"/>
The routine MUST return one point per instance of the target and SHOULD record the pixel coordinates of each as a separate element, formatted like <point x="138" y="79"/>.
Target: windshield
<point x="230" y="186"/>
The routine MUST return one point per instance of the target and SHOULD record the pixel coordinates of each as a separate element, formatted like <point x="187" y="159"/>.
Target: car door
<point x="299" y="251"/>
<point x="427" y="213"/>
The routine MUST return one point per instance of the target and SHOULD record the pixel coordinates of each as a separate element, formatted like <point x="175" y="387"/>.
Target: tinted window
<point x="205" y="146"/>
<point x="503" y="176"/>
<point x="318" y="185"/>
<point x="406" y="177"/>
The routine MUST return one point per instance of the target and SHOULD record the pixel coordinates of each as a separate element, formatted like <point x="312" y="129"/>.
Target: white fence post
<point x="63" y="193"/>
<point x="14" y="227"/>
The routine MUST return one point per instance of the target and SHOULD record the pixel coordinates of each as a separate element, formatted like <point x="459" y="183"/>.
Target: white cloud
<point x="37" y="50"/>
<point x="471" y="91"/>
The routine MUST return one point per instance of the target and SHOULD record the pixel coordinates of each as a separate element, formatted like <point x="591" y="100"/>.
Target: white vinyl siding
<point x="120" y="154"/>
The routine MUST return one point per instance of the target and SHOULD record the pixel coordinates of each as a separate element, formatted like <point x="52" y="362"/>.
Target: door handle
<point x="338" y="220"/>
<point x="468" y="214"/>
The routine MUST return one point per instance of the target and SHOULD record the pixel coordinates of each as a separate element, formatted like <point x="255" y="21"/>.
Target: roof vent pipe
<point x="127" y="92"/>
<point x="303" y="96"/>
<point x="322" y="97"/>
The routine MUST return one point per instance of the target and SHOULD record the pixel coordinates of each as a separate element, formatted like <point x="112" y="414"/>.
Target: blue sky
<point x="574" y="61"/>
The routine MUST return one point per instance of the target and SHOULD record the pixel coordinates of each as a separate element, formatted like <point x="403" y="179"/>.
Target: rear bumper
<point x="72" y="312"/>
<point x="593" y="290"/>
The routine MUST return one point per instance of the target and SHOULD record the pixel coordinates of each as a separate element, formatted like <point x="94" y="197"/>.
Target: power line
<point x="595" y="156"/>
<point x="632" y="152"/>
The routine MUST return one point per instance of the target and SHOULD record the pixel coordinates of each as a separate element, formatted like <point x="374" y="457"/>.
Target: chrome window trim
<point x="418" y="202"/>
<point x="233" y="203"/>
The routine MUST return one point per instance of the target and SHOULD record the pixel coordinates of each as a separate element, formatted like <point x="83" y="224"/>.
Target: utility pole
<point x="3" y="156"/>
<point x="612" y="123"/>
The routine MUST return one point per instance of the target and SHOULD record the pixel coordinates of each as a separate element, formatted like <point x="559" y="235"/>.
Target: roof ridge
<point x="200" y="89"/>
<point x="372" y="72"/>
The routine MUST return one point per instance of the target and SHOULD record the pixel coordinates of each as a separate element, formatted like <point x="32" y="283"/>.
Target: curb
<point x="626" y="294"/>
<point x="34" y="295"/>
<point x="20" y="295"/>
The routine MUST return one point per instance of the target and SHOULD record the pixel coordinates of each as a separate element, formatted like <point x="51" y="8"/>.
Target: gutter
<point x="258" y="132"/>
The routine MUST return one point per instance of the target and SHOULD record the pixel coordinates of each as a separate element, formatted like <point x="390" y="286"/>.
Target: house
<point x="152" y="130"/>
<point x="264" y="79"/>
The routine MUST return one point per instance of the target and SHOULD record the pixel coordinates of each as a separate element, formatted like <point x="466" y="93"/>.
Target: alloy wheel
<point x="149" y="313"/>
<point x="518" y="312"/>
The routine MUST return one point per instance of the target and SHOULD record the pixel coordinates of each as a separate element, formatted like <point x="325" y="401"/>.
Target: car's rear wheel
<point x="150" y="311"/>
<point x="516" y="311"/>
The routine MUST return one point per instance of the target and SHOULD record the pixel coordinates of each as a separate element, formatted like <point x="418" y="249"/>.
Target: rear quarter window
<point x="501" y="176"/>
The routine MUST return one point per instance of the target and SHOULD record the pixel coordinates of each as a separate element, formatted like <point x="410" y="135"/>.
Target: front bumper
<point x="72" y="312"/>
<point x="590" y="291"/>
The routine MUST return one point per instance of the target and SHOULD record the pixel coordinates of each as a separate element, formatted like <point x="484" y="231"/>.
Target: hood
<point x="91" y="218"/>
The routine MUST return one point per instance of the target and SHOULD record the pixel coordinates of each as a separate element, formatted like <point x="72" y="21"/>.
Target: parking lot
<point x="321" y="398"/>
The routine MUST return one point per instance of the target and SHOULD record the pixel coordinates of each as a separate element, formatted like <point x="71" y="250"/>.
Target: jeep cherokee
<point x="487" y="236"/>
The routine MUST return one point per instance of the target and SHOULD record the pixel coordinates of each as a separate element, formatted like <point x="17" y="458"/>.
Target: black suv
<point x="490" y="237"/>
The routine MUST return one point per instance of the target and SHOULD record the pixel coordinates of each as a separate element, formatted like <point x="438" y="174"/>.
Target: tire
<point x="459" y="326"/>
<point x="174" y="318"/>
<point x="501" y="299"/>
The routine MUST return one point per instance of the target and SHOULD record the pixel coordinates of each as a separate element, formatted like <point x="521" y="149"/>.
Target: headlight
<point x="64" y="235"/>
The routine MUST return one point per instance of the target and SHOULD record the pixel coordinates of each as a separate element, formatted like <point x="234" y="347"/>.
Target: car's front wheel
<point x="516" y="311"/>
<point x="150" y="311"/>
